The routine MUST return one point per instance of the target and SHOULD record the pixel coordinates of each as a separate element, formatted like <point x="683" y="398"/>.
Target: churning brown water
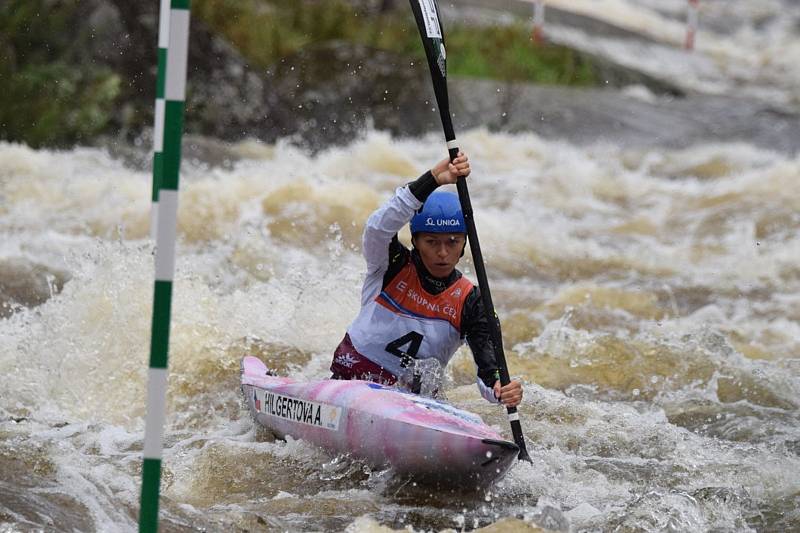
<point x="650" y="300"/>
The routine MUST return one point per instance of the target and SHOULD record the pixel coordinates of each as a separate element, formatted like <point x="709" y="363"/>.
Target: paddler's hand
<point x="510" y="395"/>
<point x="446" y="172"/>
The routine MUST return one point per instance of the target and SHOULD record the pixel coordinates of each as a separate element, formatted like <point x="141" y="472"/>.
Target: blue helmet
<point x="441" y="213"/>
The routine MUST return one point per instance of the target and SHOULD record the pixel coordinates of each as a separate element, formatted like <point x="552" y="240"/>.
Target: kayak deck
<point x="426" y="438"/>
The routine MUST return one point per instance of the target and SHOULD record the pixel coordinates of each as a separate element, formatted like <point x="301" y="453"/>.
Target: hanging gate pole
<point x="538" y="22"/>
<point x="174" y="94"/>
<point x="158" y="116"/>
<point x="691" y="24"/>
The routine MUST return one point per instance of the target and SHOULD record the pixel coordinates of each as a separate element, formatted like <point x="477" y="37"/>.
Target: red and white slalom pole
<point x="691" y="24"/>
<point x="538" y="21"/>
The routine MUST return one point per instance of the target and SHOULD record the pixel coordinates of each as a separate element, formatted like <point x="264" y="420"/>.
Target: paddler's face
<point x="440" y="252"/>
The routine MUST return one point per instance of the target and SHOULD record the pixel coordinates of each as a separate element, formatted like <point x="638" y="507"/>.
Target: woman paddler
<point x="415" y="305"/>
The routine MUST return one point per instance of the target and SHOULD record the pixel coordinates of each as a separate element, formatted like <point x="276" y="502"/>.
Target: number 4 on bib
<point x="413" y="340"/>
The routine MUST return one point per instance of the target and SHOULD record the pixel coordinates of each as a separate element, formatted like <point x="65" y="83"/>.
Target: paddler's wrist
<point x="423" y="186"/>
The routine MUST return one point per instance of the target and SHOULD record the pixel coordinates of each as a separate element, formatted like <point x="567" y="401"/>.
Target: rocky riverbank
<point x="81" y="72"/>
<point x="332" y="90"/>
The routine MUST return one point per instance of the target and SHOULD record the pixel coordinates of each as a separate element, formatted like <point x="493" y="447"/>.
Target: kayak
<point x="424" y="438"/>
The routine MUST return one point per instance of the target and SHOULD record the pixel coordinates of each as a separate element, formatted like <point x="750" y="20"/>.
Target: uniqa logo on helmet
<point x="441" y="213"/>
<point x="443" y="222"/>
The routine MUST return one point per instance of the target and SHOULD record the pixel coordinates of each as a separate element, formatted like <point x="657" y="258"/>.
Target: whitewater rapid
<point x="649" y="299"/>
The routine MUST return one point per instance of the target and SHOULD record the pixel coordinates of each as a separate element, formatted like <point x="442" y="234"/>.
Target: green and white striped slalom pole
<point x="158" y="119"/>
<point x="174" y="92"/>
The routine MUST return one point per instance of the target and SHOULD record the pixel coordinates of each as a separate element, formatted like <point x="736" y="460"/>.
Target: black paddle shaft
<point x="426" y="13"/>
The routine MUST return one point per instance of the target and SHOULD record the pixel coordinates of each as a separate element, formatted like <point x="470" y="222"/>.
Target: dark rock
<point x="587" y="116"/>
<point x="225" y="96"/>
<point x="23" y="283"/>
<point x="328" y="95"/>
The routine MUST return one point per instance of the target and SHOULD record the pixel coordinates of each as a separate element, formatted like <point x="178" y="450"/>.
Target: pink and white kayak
<point x="421" y="437"/>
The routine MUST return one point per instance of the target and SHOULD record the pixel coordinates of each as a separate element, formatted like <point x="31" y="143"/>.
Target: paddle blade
<point x="429" y="23"/>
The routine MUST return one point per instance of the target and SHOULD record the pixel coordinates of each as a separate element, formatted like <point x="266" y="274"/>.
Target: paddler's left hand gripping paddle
<point x="426" y="13"/>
